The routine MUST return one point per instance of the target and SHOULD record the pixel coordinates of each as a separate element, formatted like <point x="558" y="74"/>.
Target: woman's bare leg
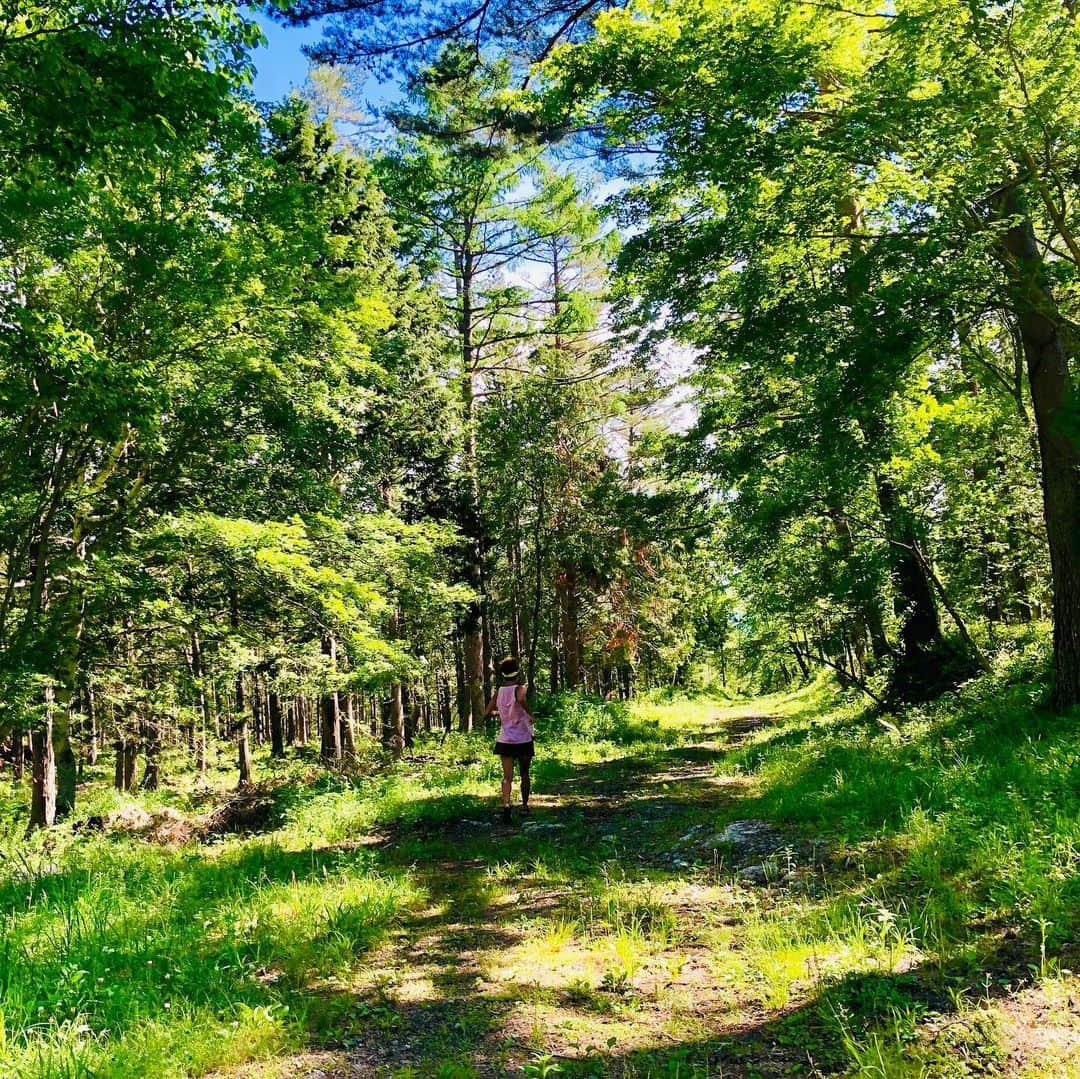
<point x="507" y="780"/>
<point x="526" y="783"/>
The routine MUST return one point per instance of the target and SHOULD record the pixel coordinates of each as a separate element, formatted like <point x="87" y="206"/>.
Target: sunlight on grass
<point x="118" y="955"/>
<point x="544" y="960"/>
<point x="132" y="954"/>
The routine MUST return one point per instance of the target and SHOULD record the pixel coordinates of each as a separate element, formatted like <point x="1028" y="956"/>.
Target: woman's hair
<point x="509" y="667"/>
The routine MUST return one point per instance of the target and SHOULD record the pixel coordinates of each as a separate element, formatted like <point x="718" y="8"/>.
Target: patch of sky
<point x="356" y="102"/>
<point x="282" y="67"/>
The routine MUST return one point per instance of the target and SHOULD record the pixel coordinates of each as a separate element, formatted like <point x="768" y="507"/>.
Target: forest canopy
<point x="671" y="343"/>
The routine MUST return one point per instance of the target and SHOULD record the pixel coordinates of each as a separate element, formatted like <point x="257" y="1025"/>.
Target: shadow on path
<point x="490" y="970"/>
<point x="491" y="888"/>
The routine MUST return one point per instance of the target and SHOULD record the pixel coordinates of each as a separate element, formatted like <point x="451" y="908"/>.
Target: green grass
<point x="383" y="916"/>
<point x="119" y="959"/>
<point x="969" y="813"/>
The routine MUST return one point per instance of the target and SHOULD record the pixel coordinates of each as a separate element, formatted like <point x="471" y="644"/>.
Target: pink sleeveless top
<point x="516" y="727"/>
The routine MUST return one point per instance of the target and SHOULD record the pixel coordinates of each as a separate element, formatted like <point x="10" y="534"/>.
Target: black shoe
<point x="525" y="810"/>
<point x="507" y="819"/>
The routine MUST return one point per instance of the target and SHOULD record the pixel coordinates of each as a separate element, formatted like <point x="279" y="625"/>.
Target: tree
<point x="82" y="145"/>
<point x="391" y="35"/>
<point x="461" y="190"/>
<point x="205" y="340"/>
<point x="816" y="220"/>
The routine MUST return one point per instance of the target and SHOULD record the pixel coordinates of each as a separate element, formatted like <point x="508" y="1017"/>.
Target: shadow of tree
<point x="630" y="810"/>
<point x="810" y="1038"/>
<point x="125" y="934"/>
<point x="426" y="900"/>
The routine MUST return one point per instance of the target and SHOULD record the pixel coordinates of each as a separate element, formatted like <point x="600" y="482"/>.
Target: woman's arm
<point x="493" y="705"/>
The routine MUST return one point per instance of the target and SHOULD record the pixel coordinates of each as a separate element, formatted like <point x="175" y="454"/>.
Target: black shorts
<point x="520" y="751"/>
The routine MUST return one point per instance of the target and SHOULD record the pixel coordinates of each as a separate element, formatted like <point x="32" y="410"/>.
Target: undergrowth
<point x="951" y="882"/>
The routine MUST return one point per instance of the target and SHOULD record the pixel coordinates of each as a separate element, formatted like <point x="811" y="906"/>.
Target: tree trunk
<point x="922" y="646"/>
<point x="200" y="749"/>
<point x="445" y="714"/>
<point x="127" y="751"/>
<point x="152" y="775"/>
<point x="290" y="723"/>
<point x="243" y="745"/>
<point x="1053" y="398"/>
<point x="464" y="710"/>
<point x="43" y="791"/>
<point x="348" y="742"/>
<point x="473" y="657"/>
<point x="555" y="654"/>
<point x="472" y="623"/>
<point x="513" y="561"/>
<point x="487" y="657"/>
<point x="538" y="583"/>
<point x="92" y="747"/>
<point x="67" y="767"/>
<point x="411" y="717"/>
<point x="277" y="731"/>
<point x="566" y="590"/>
<point x="243" y="754"/>
<point x="796" y="651"/>
<point x="921" y="643"/>
<point x="205" y="721"/>
<point x="330" y="748"/>
<point x="256" y="710"/>
<point x="118" y="770"/>
<point x="394" y="722"/>
<point x="131" y="757"/>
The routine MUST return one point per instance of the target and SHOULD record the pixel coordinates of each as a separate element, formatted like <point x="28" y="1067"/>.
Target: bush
<point x="573" y="716"/>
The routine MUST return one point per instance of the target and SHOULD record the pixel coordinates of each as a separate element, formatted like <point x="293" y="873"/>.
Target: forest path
<point x="585" y="935"/>
<point x="649" y="921"/>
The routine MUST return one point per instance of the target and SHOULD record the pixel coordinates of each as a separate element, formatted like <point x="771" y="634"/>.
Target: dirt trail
<point x="621" y="931"/>
<point x="582" y="933"/>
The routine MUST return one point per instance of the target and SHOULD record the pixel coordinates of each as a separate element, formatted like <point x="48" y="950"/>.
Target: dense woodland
<point x="720" y="359"/>
<point x="661" y="344"/>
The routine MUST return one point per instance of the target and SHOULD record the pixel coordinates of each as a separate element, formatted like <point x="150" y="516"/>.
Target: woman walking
<point x="515" y="742"/>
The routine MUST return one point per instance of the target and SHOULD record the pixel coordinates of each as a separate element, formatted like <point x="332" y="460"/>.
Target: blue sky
<point x="280" y="65"/>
